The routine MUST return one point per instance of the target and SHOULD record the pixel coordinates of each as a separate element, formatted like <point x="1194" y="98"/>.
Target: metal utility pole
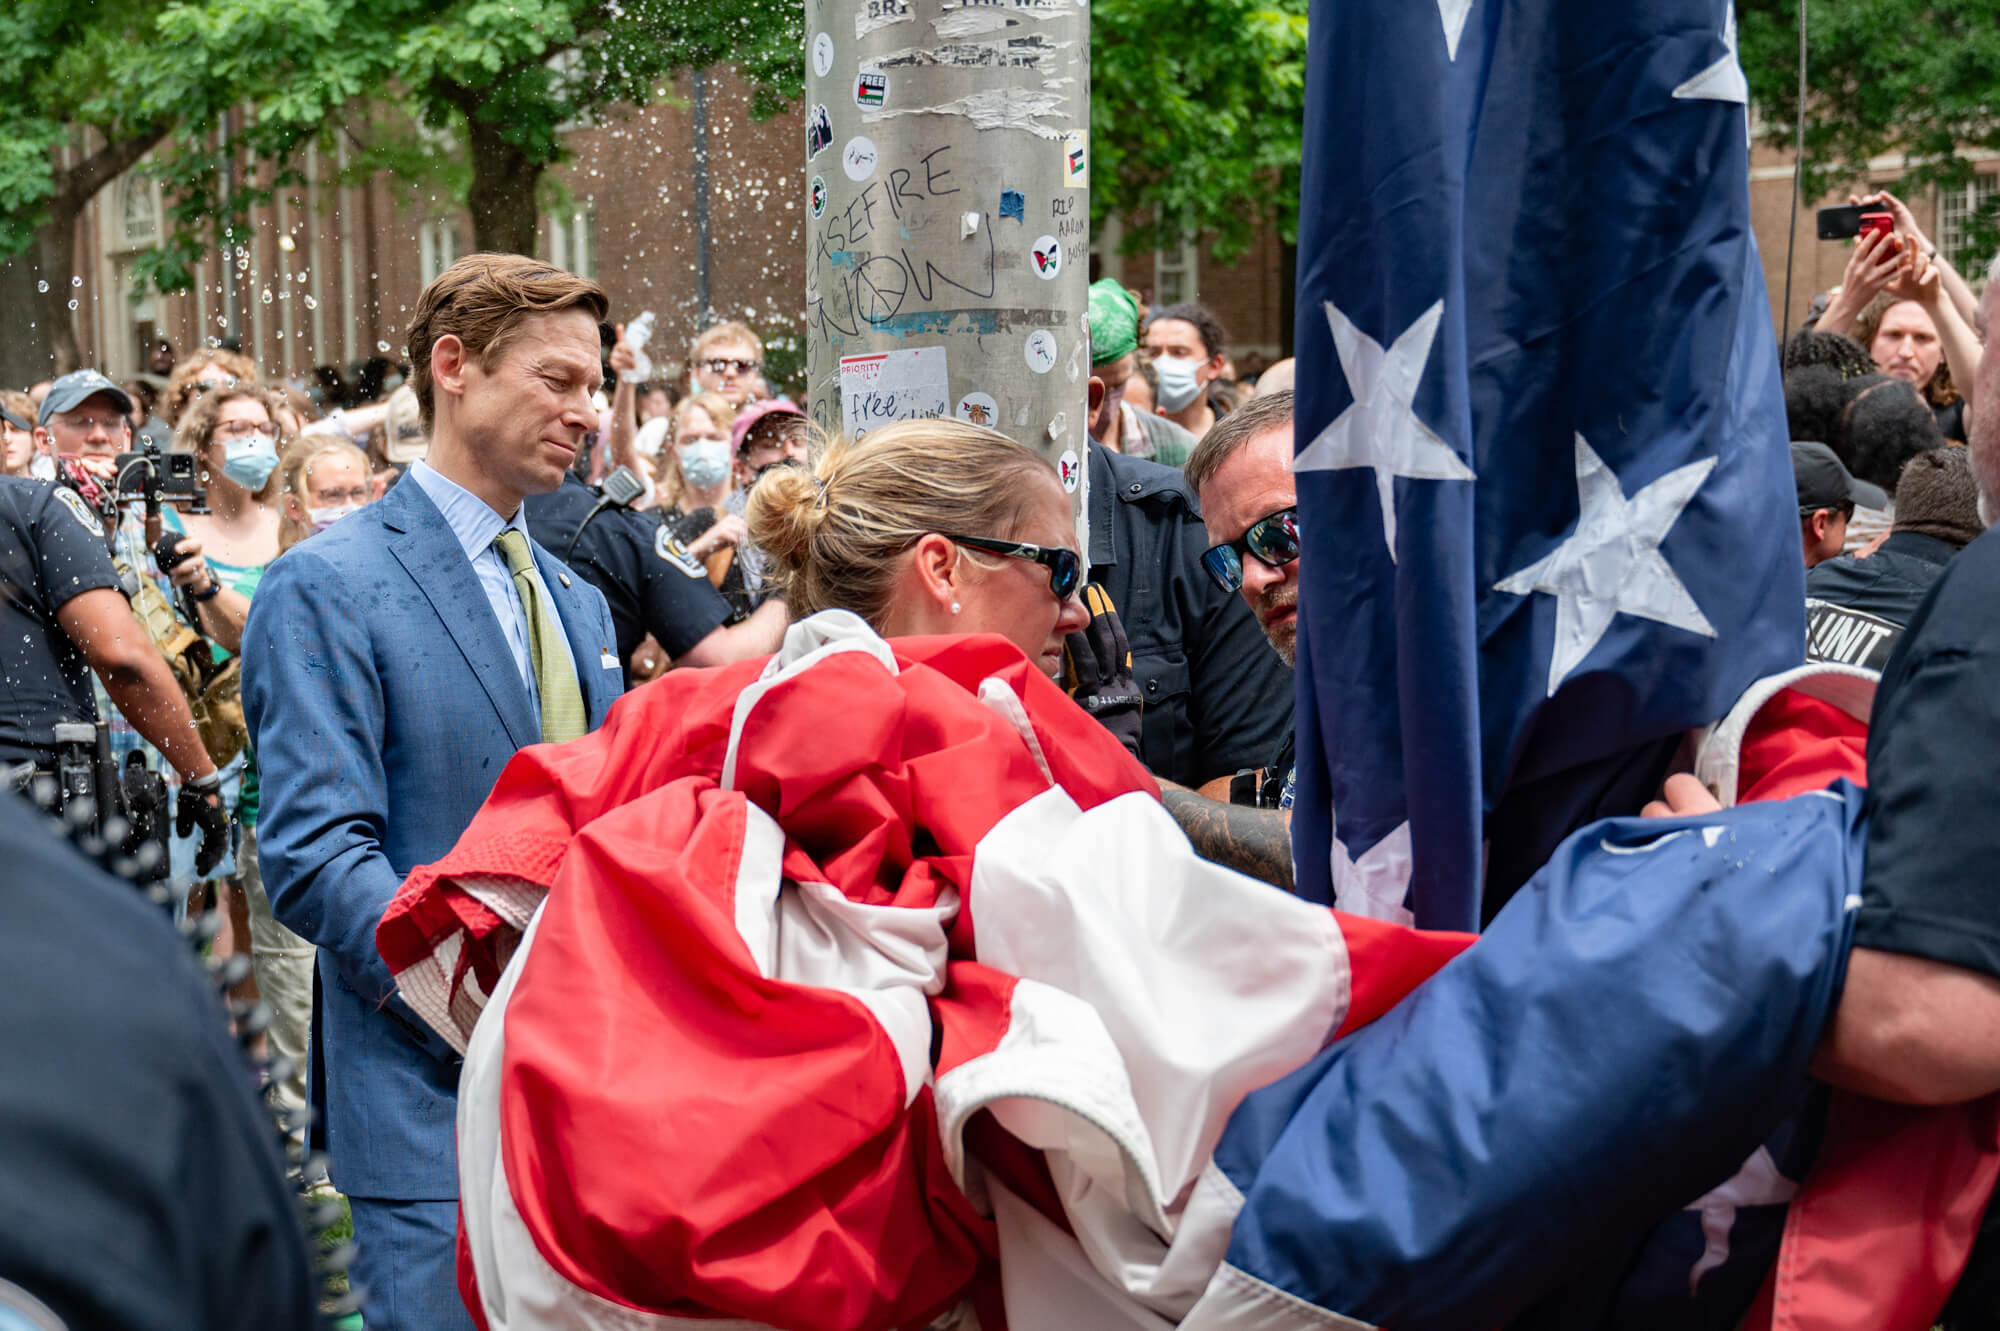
<point x="948" y="217"/>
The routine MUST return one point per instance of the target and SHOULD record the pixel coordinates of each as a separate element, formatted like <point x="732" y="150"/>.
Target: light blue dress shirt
<point x="475" y="524"/>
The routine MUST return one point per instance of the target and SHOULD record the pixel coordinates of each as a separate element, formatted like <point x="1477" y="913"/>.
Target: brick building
<point x="1818" y="264"/>
<point x="330" y="274"/>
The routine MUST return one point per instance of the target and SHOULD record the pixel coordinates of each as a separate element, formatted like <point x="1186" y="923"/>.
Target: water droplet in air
<point x="381" y="346"/>
<point x="42" y="285"/>
<point x="72" y="302"/>
<point x="267" y="295"/>
<point x="311" y="304"/>
<point x="76" y="281"/>
<point x="287" y="244"/>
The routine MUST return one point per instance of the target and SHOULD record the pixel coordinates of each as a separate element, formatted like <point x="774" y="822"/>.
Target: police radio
<point x="621" y="489"/>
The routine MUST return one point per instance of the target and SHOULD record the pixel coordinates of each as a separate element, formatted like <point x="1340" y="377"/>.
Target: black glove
<point x="1097" y="664"/>
<point x="192" y="810"/>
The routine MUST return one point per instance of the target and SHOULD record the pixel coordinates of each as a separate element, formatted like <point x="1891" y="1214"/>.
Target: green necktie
<point x="563" y="717"/>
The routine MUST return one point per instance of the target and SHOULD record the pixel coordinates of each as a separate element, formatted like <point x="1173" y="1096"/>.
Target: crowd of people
<point x="333" y="625"/>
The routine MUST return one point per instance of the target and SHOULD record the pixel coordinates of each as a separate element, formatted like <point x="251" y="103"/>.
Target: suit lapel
<point x="431" y="555"/>
<point x="583" y="629"/>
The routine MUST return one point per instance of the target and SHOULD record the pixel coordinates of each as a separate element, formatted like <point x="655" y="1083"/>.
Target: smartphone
<point x="1854" y="219"/>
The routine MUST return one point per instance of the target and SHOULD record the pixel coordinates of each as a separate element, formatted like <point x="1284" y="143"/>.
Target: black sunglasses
<point x="1065" y="566"/>
<point x="1273" y="540"/>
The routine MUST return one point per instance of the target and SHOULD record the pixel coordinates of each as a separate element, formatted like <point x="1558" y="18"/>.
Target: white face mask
<point x="705" y="462"/>
<point x="43" y="468"/>
<point x="322" y="518"/>
<point x="1178" y="385"/>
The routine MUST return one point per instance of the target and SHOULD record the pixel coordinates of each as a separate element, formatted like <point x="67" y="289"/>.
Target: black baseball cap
<point x="73" y="389"/>
<point x="1824" y="481"/>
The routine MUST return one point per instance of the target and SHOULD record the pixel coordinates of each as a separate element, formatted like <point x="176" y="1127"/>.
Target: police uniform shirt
<point x="1934" y="777"/>
<point x="52" y="549"/>
<point x="1218" y="698"/>
<point x="141" y="1185"/>
<point x="648" y="579"/>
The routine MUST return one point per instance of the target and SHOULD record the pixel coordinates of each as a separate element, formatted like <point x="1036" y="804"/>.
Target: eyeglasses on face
<point x="727" y="364"/>
<point x="1065" y="566"/>
<point x="1272" y="540"/>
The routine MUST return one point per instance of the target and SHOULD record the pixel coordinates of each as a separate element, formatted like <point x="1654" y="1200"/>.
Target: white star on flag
<point x="1376" y="884"/>
<point x="1722" y="81"/>
<point x="1453" y="13"/>
<point x="1612" y="561"/>
<point x="1380" y="428"/>
<point x="1758" y="1183"/>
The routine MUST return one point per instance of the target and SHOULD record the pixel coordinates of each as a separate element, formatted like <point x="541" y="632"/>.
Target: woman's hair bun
<point x="783" y="514"/>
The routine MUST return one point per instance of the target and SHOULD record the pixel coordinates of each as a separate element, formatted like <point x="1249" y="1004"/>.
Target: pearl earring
<point x="956" y="607"/>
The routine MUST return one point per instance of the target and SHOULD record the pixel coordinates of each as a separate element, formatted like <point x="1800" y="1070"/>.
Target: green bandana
<point x="1114" y="322"/>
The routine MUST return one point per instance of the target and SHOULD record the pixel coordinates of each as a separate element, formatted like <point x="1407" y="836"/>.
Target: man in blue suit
<point x="391" y="667"/>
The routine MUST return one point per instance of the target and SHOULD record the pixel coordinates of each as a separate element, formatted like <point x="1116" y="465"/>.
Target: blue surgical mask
<point x="1178" y="385"/>
<point x="249" y="461"/>
<point x="705" y="462"/>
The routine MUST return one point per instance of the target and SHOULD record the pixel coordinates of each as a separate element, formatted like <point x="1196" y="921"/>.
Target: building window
<point x="1958" y="208"/>
<point x="1174" y="274"/>
<point x="573" y="240"/>
<point x="139" y="212"/>
<point x="439" y="245"/>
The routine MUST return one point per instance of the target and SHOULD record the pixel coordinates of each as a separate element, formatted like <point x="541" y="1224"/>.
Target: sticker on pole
<point x="819" y="132"/>
<point x="817" y="196"/>
<point x="1076" y="159"/>
<point x="871" y="89"/>
<point x="1047" y="257"/>
<point x="823" y="54"/>
<point x="978" y="409"/>
<point x="858" y="157"/>
<point x="1040" y="351"/>
<point x="891" y="386"/>
<point x="1070" y="468"/>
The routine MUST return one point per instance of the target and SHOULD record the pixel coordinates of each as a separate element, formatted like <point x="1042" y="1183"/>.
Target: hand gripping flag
<point x="1543" y="485"/>
<point x="857" y="1025"/>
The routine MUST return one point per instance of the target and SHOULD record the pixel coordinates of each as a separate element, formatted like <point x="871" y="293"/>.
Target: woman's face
<point x="1906" y="344"/>
<point x="239" y="419"/>
<point x="697" y="425"/>
<point x="20" y="445"/>
<point x="333" y="480"/>
<point x="1014" y="599"/>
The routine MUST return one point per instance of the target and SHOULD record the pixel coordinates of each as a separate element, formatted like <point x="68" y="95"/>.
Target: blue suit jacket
<point x="383" y="702"/>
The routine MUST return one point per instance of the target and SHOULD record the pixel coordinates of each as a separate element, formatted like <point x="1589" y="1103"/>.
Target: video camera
<point x="154" y="478"/>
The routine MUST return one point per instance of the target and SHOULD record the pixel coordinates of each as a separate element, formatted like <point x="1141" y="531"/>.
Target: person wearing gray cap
<point x="84" y="415"/>
<point x="1827" y="494"/>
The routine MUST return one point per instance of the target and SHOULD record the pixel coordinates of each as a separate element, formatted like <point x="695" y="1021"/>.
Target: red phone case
<point x="1874" y="222"/>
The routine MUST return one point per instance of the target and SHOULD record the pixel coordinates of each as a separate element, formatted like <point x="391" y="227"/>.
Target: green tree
<point x="1884" y="76"/>
<point x="1195" y="116"/>
<point x="66" y="79"/>
<point x="115" y="81"/>
<point x="508" y="78"/>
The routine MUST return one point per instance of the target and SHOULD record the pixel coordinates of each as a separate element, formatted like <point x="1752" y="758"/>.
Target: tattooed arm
<point x="1257" y="842"/>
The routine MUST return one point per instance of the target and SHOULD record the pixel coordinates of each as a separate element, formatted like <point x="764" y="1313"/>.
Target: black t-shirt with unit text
<point x="52" y="549"/>
<point x="650" y="582"/>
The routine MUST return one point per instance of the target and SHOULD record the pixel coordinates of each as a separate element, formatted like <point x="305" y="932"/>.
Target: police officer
<point x="61" y="611"/>
<point x="112" y="1046"/>
<point x="652" y="584"/>
<point x="1217" y="698"/>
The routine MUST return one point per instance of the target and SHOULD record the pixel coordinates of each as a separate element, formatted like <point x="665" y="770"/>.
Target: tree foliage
<point x="1905" y="77"/>
<point x="1196" y="113"/>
